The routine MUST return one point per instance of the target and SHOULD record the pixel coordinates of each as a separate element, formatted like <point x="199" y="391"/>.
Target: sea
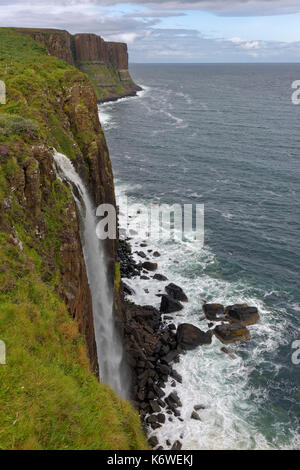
<point x="227" y="137"/>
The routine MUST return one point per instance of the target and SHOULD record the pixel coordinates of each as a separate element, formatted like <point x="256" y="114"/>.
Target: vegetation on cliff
<point x="49" y="398"/>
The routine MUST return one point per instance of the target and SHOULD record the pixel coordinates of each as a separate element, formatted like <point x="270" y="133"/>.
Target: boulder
<point x="199" y="407"/>
<point x="242" y="314"/>
<point x="169" y="305"/>
<point x="230" y="353"/>
<point x="149" y="266"/>
<point x="189" y="336"/>
<point x="214" y="312"/>
<point x="156" y="254"/>
<point x="153" y="441"/>
<point x="177" y="445"/>
<point x="227" y="333"/>
<point x="141" y="254"/>
<point x="127" y="289"/>
<point x="160" y="277"/>
<point x="195" y="415"/>
<point x="176" y="292"/>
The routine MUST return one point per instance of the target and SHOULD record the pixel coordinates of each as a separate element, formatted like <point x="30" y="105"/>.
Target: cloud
<point x="219" y="7"/>
<point x="148" y="41"/>
<point x="244" y="44"/>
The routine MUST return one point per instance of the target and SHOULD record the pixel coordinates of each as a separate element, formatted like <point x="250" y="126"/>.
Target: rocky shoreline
<point x="153" y="345"/>
<point x="118" y="97"/>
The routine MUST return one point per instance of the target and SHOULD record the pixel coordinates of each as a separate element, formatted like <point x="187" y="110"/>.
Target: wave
<point x="210" y="378"/>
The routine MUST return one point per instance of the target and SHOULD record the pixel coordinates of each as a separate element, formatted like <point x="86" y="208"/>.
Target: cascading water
<point x="109" y="347"/>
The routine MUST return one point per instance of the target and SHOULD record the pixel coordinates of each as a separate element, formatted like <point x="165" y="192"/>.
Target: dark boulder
<point x="173" y="400"/>
<point x="230" y="333"/>
<point x="195" y="415"/>
<point x="169" y="305"/>
<point x="242" y="314"/>
<point x="176" y="292"/>
<point x="149" y="266"/>
<point x="229" y="352"/>
<point x="156" y="254"/>
<point x="160" y="277"/>
<point x="176" y="446"/>
<point x="153" y="441"/>
<point x="141" y="254"/>
<point x="214" y="312"/>
<point x="190" y="337"/>
<point x="127" y="289"/>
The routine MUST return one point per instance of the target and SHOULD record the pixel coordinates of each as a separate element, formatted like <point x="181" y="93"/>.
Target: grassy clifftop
<point x="49" y="397"/>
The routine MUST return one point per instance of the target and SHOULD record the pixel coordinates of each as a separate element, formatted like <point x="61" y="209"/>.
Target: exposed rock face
<point x="243" y="314"/>
<point x="57" y="42"/>
<point x="106" y="63"/>
<point x="90" y="48"/>
<point x="230" y="333"/>
<point x="190" y="337"/>
<point x="176" y="292"/>
<point x="214" y="312"/>
<point x="118" y="55"/>
<point x="169" y="305"/>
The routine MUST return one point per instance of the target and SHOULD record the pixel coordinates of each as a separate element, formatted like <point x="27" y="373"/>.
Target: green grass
<point x="49" y="398"/>
<point x="102" y="74"/>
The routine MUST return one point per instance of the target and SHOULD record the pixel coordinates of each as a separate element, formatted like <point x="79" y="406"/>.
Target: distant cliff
<point x="105" y="63"/>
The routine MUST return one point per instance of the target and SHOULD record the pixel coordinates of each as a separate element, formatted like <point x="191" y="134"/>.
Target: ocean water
<point x="226" y="136"/>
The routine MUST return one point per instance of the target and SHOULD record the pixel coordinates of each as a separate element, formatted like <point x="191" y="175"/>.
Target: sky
<point x="174" y="30"/>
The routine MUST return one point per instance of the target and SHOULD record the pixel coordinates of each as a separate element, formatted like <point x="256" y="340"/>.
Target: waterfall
<point x="109" y="347"/>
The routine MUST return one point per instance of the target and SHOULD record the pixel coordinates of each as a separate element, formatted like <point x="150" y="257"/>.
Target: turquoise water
<point x="226" y="136"/>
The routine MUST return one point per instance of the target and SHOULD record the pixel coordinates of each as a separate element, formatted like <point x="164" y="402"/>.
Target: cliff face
<point x="46" y="317"/>
<point x="57" y="42"/>
<point x="106" y="63"/>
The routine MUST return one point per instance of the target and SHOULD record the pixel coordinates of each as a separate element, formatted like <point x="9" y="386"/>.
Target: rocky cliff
<point x="51" y="399"/>
<point x="106" y="63"/>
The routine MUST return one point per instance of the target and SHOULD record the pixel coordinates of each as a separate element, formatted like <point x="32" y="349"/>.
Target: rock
<point x="155" y="425"/>
<point x="189" y="336"/>
<point x="169" y="305"/>
<point x="176" y="292"/>
<point x="242" y="314"/>
<point x="199" y="407"/>
<point x="145" y="278"/>
<point x="155" y="406"/>
<point x="176" y="446"/>
<point x="230" y="333"/>
<point x="214" y="312"/>
<point x="170" y="356"/>
<point x="161" y="418"/>
<point x="173" y="400"/>
<point x="153" y="441"/>
<point x="195" y="415"/>
<point x="168" y="443"/>
<point x="160" y="277"/>
<point x="174" y="374"/>
<point x="127" y="289"/>
<point x="149" y="266"/>
<point x="141" y="254"/>
<point x="230" y="353"/>
<point x="152" y="419"/>
<point x="156" y="254"/>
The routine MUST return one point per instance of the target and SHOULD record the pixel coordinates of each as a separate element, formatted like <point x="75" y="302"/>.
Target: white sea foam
<point x="210" y="377"/>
